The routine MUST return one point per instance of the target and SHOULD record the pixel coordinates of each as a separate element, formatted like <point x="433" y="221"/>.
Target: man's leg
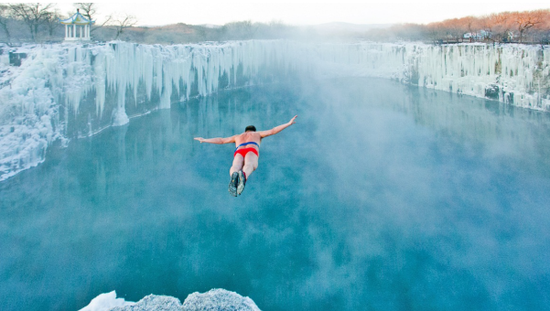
<point x="237" y="164"/>
<point x="233" y="172"/>
<point x="250" y="165"/>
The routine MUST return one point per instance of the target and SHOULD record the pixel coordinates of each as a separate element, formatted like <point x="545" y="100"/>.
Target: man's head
<point x="250" y="128"/>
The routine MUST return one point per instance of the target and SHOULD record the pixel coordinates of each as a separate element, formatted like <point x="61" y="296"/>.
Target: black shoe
<point x="233" y="184"/>
<point x="242" y="182"/>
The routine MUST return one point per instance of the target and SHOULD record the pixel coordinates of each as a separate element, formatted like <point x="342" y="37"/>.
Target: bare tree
<point x="470" y="25"/>
<point x="121" y="22"/>
<point x="88" y="9"/>
<point x="542" y="33"/>
<point x="527" y="20"/>
<point x="454" y="28"/>
<point x="435" y="32"/>
<point x="51" y="21"/>
<point x="499" y="25"/>
<point x="32" y="14"/>
<point x="4" y="21"/>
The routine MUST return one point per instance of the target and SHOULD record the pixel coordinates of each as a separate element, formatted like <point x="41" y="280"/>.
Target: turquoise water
<point x="381" y="197"/>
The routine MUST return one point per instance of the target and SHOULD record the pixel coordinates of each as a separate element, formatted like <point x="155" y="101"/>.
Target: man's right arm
<point x="217" y="140"/>
<point x="277" y="129"/>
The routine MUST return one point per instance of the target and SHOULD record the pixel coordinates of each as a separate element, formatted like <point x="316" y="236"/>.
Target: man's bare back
<point x="248" y="137"/>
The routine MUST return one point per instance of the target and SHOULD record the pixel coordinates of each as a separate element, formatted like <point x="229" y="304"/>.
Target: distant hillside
<point x="505" y="27"/>
<point x="522" y="27"/>
<point x="516" y="27"/>
<point x="183" y="33"/>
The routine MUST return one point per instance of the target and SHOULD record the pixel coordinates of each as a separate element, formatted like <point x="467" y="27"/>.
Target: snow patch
<point x="215" y="299"/>
<point x="105" y="302"/>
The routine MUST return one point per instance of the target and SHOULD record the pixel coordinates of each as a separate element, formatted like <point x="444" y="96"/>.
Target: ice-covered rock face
<point x="215" y="299"/>
<point x="219" y="299"/>
<point x="152" y="303"/>
<point x="59" y="92"/>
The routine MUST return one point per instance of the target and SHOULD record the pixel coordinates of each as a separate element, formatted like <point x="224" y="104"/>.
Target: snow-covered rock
<point x="218" y="299"/>
<point x="213" y="300"/>
<point x="152" y="303"/>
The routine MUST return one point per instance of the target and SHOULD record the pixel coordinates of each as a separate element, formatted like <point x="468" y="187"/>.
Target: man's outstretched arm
<point x="277" y="129"/>
<point x="217" y="140"/>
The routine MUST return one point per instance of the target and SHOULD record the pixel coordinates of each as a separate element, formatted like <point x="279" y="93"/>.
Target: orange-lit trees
<point x="527" y="20"/>
<point x="500" y="26"/>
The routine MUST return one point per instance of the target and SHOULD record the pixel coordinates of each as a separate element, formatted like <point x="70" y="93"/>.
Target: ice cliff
<point x="54" y="93"/>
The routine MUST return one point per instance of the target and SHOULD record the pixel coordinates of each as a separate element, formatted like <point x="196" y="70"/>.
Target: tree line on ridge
<point x="39" y="23"/>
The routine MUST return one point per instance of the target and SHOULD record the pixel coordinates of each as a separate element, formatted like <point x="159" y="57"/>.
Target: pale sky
<point x="305" y="12"/>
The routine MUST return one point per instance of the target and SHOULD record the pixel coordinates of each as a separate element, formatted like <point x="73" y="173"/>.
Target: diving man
<point x="245" y="157"/>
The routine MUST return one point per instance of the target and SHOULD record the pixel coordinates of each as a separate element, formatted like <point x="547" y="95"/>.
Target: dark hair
<point x="250" y="128"/>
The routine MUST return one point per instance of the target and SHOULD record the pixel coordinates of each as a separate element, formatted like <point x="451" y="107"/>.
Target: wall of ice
<point x="59" y="92"/>
<point x="514" y="74"/>
<point x="54" y="93"/>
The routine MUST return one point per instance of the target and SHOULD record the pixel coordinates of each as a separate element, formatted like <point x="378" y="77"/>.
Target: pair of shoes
<point x="233" y="184"/>
<point x="242" y="182"/>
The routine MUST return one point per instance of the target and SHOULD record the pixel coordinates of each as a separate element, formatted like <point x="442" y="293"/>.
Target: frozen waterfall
<point x="57" y="92"/>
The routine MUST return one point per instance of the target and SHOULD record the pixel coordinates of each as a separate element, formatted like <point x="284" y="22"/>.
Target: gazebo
<point x="77" y="27"/>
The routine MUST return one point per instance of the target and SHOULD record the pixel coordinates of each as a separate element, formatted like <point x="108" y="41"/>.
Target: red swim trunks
<point x="244" y="151"/>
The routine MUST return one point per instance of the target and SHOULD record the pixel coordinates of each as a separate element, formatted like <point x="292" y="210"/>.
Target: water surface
<point x="380" y="197"/>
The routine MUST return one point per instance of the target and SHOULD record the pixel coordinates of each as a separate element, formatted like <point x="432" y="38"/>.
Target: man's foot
<point x="242" y="182"/>
<point x="233" y="184"/>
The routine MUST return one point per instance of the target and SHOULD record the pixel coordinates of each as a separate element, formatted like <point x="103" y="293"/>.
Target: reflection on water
<point x="381" y="197"/>
<point x="502" y="130"/>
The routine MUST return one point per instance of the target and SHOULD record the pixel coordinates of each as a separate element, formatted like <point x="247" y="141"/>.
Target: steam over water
<point x="380" y="197"/>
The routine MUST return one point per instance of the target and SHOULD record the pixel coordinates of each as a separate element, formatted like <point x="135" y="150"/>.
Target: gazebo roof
<point x="76" y="19"/>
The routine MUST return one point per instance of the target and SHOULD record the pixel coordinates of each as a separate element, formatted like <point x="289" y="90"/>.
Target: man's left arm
<point x="278" y="129"/>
